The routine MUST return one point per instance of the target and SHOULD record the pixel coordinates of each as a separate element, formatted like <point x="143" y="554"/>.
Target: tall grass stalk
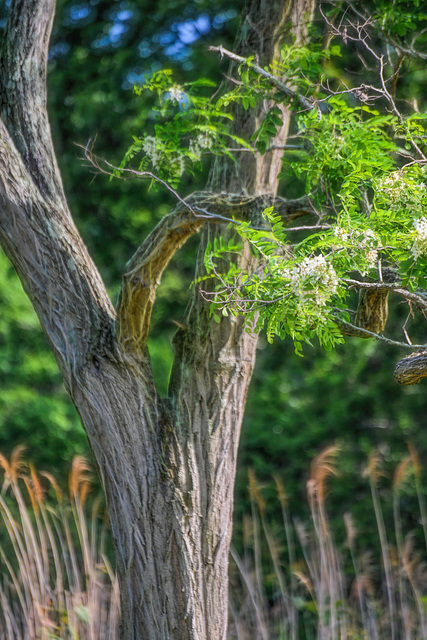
<point x="292" y="581"/>
<point x="319" y="590"/>
<point x="420" y="493"/>
<point x="290" y="545"/>
<point x="373" y="474"/>
<point x="56" y="582"/>
<point x="398" y="480"/>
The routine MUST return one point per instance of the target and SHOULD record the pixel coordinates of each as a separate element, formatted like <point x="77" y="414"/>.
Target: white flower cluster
<point x="153" y="150"/>
<point x="341" y="234"/>
<point x="368" y="243"/>
<point x="178" y="165"/>
<point x="203" y="141"/>
<point x="338" y="145"/>
<point x="150" y="148"/>
<point x="399" y="191"/>
<point x="419" y="246"/>
<point x="365" y="242"/>
<point x="313" y="279"/>
<point x="176" y="94"/>
<point x="392" y="186"/>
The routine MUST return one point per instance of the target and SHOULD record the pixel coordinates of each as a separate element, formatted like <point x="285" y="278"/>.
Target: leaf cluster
<point x="356" y="164"/>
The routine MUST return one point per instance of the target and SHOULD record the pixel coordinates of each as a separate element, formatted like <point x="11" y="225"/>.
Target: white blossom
<point x="364" y="242"/>
<point x="150" y="148"/>
<point x="372" y="257"/>
<point x="176" y="94"/>
<point x="178" y="165"/>
<point x="398" y="190"/>
<point x="419" y="246"/>
<point x="313" y="278"/>
<point x="341" y="233"/>
<point x="194" y="148"/>
<point x="202" y="141"/>
<point x="367" y="245"/>
<point x="392" y="186"/>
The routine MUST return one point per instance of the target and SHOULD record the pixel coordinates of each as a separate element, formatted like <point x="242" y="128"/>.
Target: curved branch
<point x="412" y="369"/>
<point x="145" y="269"/>
<point x="143" y="275"/>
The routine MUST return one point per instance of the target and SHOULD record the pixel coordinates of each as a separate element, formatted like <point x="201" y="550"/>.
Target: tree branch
<point x="36" y="229"/>
<point x="247" y="208"/>
<point x="142" y="277"/>
<point x="144" y="270"/>
<point x="412" y="369"/>
<point x="53" y="264"/>
<point x="271" y="79"/>
<point x="416" y="298"/>
<point x="354" y="331"/>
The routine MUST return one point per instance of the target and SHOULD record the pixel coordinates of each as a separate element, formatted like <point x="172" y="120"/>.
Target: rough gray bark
<point x="167" y="466"/>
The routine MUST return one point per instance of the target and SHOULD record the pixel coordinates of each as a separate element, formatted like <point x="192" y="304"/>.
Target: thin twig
<point x="408" y="295"/>
<point x="273" y="80"/>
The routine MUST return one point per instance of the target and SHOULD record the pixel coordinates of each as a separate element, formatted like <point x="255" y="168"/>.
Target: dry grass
<point x="318" y="590"/>
<point x="56" y="581"/>
<point x="290" y="583"/>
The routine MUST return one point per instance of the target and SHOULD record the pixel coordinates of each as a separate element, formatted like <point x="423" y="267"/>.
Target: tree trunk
<point x="167" y="465"/>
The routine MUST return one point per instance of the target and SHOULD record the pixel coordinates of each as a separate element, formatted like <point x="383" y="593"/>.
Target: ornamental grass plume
<point x="315" y="587"/>
<point x="56" y="581"/>
<point x="291" y="580"/>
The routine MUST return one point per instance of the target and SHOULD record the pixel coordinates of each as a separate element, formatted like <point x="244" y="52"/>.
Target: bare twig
<point x="359" y="332"/>
<point x="273" y="80"/>
<point x="419" y="300"/>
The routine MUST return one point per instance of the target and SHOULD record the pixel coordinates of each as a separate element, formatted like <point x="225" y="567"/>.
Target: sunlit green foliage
<point x="370" y="202"/>
<point x="188" y="124"/>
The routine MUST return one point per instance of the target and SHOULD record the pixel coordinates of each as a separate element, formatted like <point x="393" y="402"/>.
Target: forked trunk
<point x="167" y="465"/>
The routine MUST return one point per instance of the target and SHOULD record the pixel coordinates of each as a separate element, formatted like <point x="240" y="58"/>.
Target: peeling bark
<point x="167" y="465"/>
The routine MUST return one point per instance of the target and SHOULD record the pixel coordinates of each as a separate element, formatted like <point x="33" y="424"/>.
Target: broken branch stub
<point x="411" y="369"/>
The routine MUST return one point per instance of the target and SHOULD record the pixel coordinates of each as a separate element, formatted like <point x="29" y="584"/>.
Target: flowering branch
<point x="144" y="271"/>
